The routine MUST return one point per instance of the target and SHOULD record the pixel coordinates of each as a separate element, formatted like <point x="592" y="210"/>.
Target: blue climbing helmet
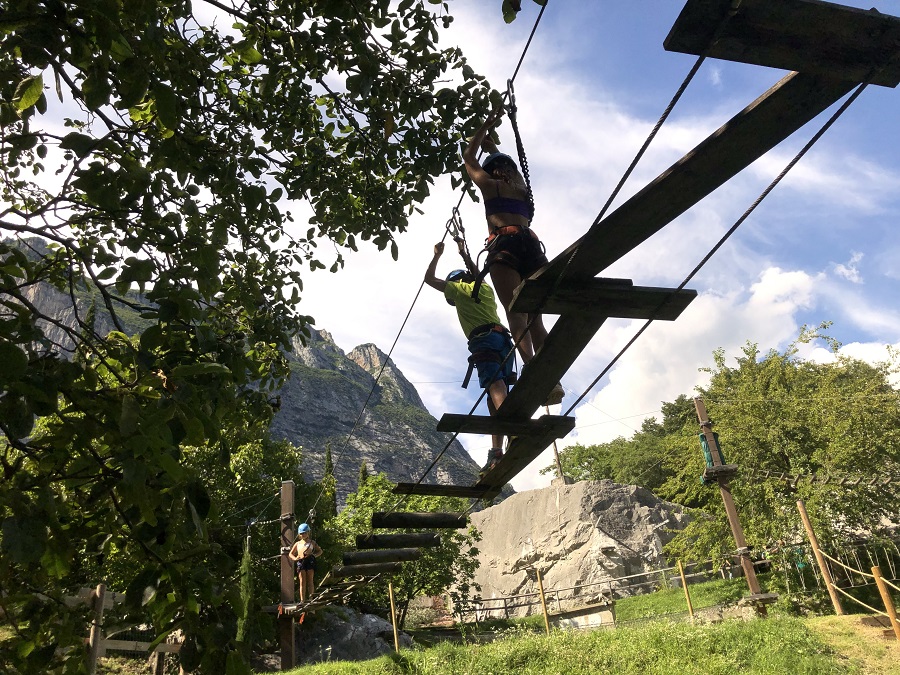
<point x="457" y="275"/>
<point x="496" y="159"/>
<point x="304" y="528"/>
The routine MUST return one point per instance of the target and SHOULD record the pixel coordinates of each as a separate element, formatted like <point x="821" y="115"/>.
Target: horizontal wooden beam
<point x="805" y="35"/>
<point x="403" y="519"/>
<point x="521" y="452"/>
<point x="595" y="296"/>
<point x="430" y="489"/>
<point x="403" y="540"/>
<point x="762" y="125"/>
<point x="556" y="425"/>
<point x="345" y="571"/>
<point x="381" y="556"/>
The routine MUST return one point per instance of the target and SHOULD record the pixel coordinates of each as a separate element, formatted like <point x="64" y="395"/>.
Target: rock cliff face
<point x="586" y="533"/>
<point x="395" y="435"/>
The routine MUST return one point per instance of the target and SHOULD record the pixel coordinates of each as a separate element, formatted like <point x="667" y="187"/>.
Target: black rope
<point x="520" y="147"/>
<point x="725" y="237"/>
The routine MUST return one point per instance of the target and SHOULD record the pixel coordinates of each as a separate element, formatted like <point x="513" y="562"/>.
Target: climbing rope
<point x="520" y="147"/>
<point x="461" y="232"/>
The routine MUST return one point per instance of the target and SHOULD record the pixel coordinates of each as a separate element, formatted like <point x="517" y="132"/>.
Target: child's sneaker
<point x="494" y="456"/>
<point x="556" y="395"/>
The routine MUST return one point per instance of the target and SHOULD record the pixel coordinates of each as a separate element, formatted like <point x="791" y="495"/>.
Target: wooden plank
<point x="402" y="519"/>
<point x="465" y="491"/>
<point x="493" y="424"/>
<point x="345" y="571"/>
<point x="594" y="296"/>
<point x="418" y="539"/>
<point x="568" y="338"/>
<point x="132" y="646"/>
<point x="521" y="452"/>
<point x="804" y="35"/>
<point x="762" y="125"/>
<point x="380" y="556"/>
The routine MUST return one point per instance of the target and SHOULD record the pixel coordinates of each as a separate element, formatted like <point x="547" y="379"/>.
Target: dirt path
<point x="864" y="645"/>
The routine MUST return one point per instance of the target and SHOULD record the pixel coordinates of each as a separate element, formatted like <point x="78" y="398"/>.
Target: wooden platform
<point x="803" y="35"/>
<point x="551" y="426"/>
<point x="603" y="299"/>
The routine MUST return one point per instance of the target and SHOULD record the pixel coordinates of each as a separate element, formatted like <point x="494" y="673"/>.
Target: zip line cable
<point x="419" y="292"/>
<point x="725" y="237"/>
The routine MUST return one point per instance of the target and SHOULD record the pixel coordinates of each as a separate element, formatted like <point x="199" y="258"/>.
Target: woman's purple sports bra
<point x="498" y="204"/>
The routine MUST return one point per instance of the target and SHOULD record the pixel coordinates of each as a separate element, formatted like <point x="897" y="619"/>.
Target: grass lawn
<point x="776" y="645"/>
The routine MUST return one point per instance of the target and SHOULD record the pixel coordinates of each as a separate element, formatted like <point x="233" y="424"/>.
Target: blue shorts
<point x="307" y="563"/>
<point x="500" y="344"/>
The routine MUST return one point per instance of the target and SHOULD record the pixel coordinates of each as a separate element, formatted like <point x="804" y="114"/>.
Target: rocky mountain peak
<point x="393" y="384"/>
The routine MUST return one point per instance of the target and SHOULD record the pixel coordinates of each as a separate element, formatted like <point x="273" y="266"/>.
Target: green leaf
<point x="134" y="80"/>
<point x="14" y="360"/>
<point x="28" y="92"/>
<point x="96" y="88"/>
<point x="129" y="416"/>
<point x="24" y="540"/>
<point x="204" y="368"/>
<point x="80" y="144"/>
<point x="166" y="106"/>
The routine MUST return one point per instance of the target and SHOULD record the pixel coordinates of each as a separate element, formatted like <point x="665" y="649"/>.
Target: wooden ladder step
<point x="465" y="491"/>
<point x="404" y="519"/>
<point x="551" y="426"/>
<point x="803" y="35"/>
<point x="381" y="556"/>
<point x="371" y="570"/>
<point x="600" y="298"/>
<point x="417" y="539"/>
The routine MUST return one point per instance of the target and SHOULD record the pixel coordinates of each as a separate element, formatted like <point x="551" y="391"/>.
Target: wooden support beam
<point x="804" y="35"/>
<point x="596" y="296"/>
<point x="286" y="540"/>
<point x="465" y="491"/>
<point x="779" y="112"/>
<point x="418" y="539"/>
<point x="346" y="571"/>
<point x="381" y="556"/>
<point x="521" y="452"/>
<point x="556" y="425"/>
<point x="402" y="519"/>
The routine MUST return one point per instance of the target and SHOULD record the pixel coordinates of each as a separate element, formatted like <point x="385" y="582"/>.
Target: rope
<point x="520" y="147"/>
<point x="888" y="583"/>
<point x="846" y="567"/>
<point x="726" y="236"/>
<point x="858" y="601"/>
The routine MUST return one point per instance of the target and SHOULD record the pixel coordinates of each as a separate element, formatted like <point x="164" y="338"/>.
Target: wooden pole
<point x="95" y="640"/>
<point x="559" y="470"/>
<point x="814" y="544"/>
<point x="394" y="616"/>
<point x="888" y="600"/>
<point x="285" y="622"/>
<point x="543" y="601"/>
<point x="687" y="593"/>
<point x="730" y="509"/>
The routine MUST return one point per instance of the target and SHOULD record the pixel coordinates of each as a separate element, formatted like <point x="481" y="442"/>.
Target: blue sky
<point x="596" y="78"/>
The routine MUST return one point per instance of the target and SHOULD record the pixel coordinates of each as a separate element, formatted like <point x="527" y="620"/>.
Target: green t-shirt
<point x="472" y="314"/>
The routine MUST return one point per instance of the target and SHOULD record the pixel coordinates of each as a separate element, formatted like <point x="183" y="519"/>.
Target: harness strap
<point x="479" y="357"/>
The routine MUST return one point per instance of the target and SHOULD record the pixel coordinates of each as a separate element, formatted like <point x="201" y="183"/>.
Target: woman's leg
<point x="537" y="332"/>
<point x="302" y="585"/>
<point x="308" y="576"/>
<point x="505" y="281"/>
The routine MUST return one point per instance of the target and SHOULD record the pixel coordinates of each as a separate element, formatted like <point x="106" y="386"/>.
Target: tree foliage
<point x="167" y="151"/>
<point x="449" y="567"/>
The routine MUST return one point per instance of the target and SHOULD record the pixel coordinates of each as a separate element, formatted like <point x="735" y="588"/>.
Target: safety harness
<point x="484" y="356"/>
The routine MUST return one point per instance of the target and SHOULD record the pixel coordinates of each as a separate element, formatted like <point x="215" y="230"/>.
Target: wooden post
<point x="505" y="608"/>
<point x="394" y="616"/>
<point x="820" y="559"/>
<point x="286" y="540"/>
<point x="95" y="640"/>
<point x="730" y="509"/>
<point x="687" y="593"/>
<point x="888" y="600"/>
<point x="543" y="601"/>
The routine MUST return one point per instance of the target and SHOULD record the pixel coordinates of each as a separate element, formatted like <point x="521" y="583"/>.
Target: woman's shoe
<point x="494" y="456"/>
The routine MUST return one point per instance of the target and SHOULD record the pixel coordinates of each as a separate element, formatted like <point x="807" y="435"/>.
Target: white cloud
<point x="850" y="271"/>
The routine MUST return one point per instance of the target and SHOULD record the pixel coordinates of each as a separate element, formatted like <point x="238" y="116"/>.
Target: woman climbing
<point x="304" y="552"/>
<point x="514" y="250"/>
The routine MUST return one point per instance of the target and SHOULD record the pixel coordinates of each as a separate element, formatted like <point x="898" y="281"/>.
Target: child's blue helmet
<point x="457" y="275"/>
<point x="496" y="159"/>
<point x="303" y="528"/>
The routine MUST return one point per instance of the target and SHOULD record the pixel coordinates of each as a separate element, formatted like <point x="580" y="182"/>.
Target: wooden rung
<point x="594" y="296"/>
<point x="345" y="571"/>
<point x="465" y="491"/>
<point x="802" y="35"/>
<point x="382" y="556"/>
<point x="403" y="519"/>
<point x="557" y="426"/>
<point x="713" y="473"/>
<point x="417" y="539"/>
<point x="759" y="599"/>
<point x="521" y="452"/>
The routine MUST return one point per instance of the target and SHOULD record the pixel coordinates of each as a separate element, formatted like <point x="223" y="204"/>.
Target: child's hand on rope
<point x="438" y="249"/>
